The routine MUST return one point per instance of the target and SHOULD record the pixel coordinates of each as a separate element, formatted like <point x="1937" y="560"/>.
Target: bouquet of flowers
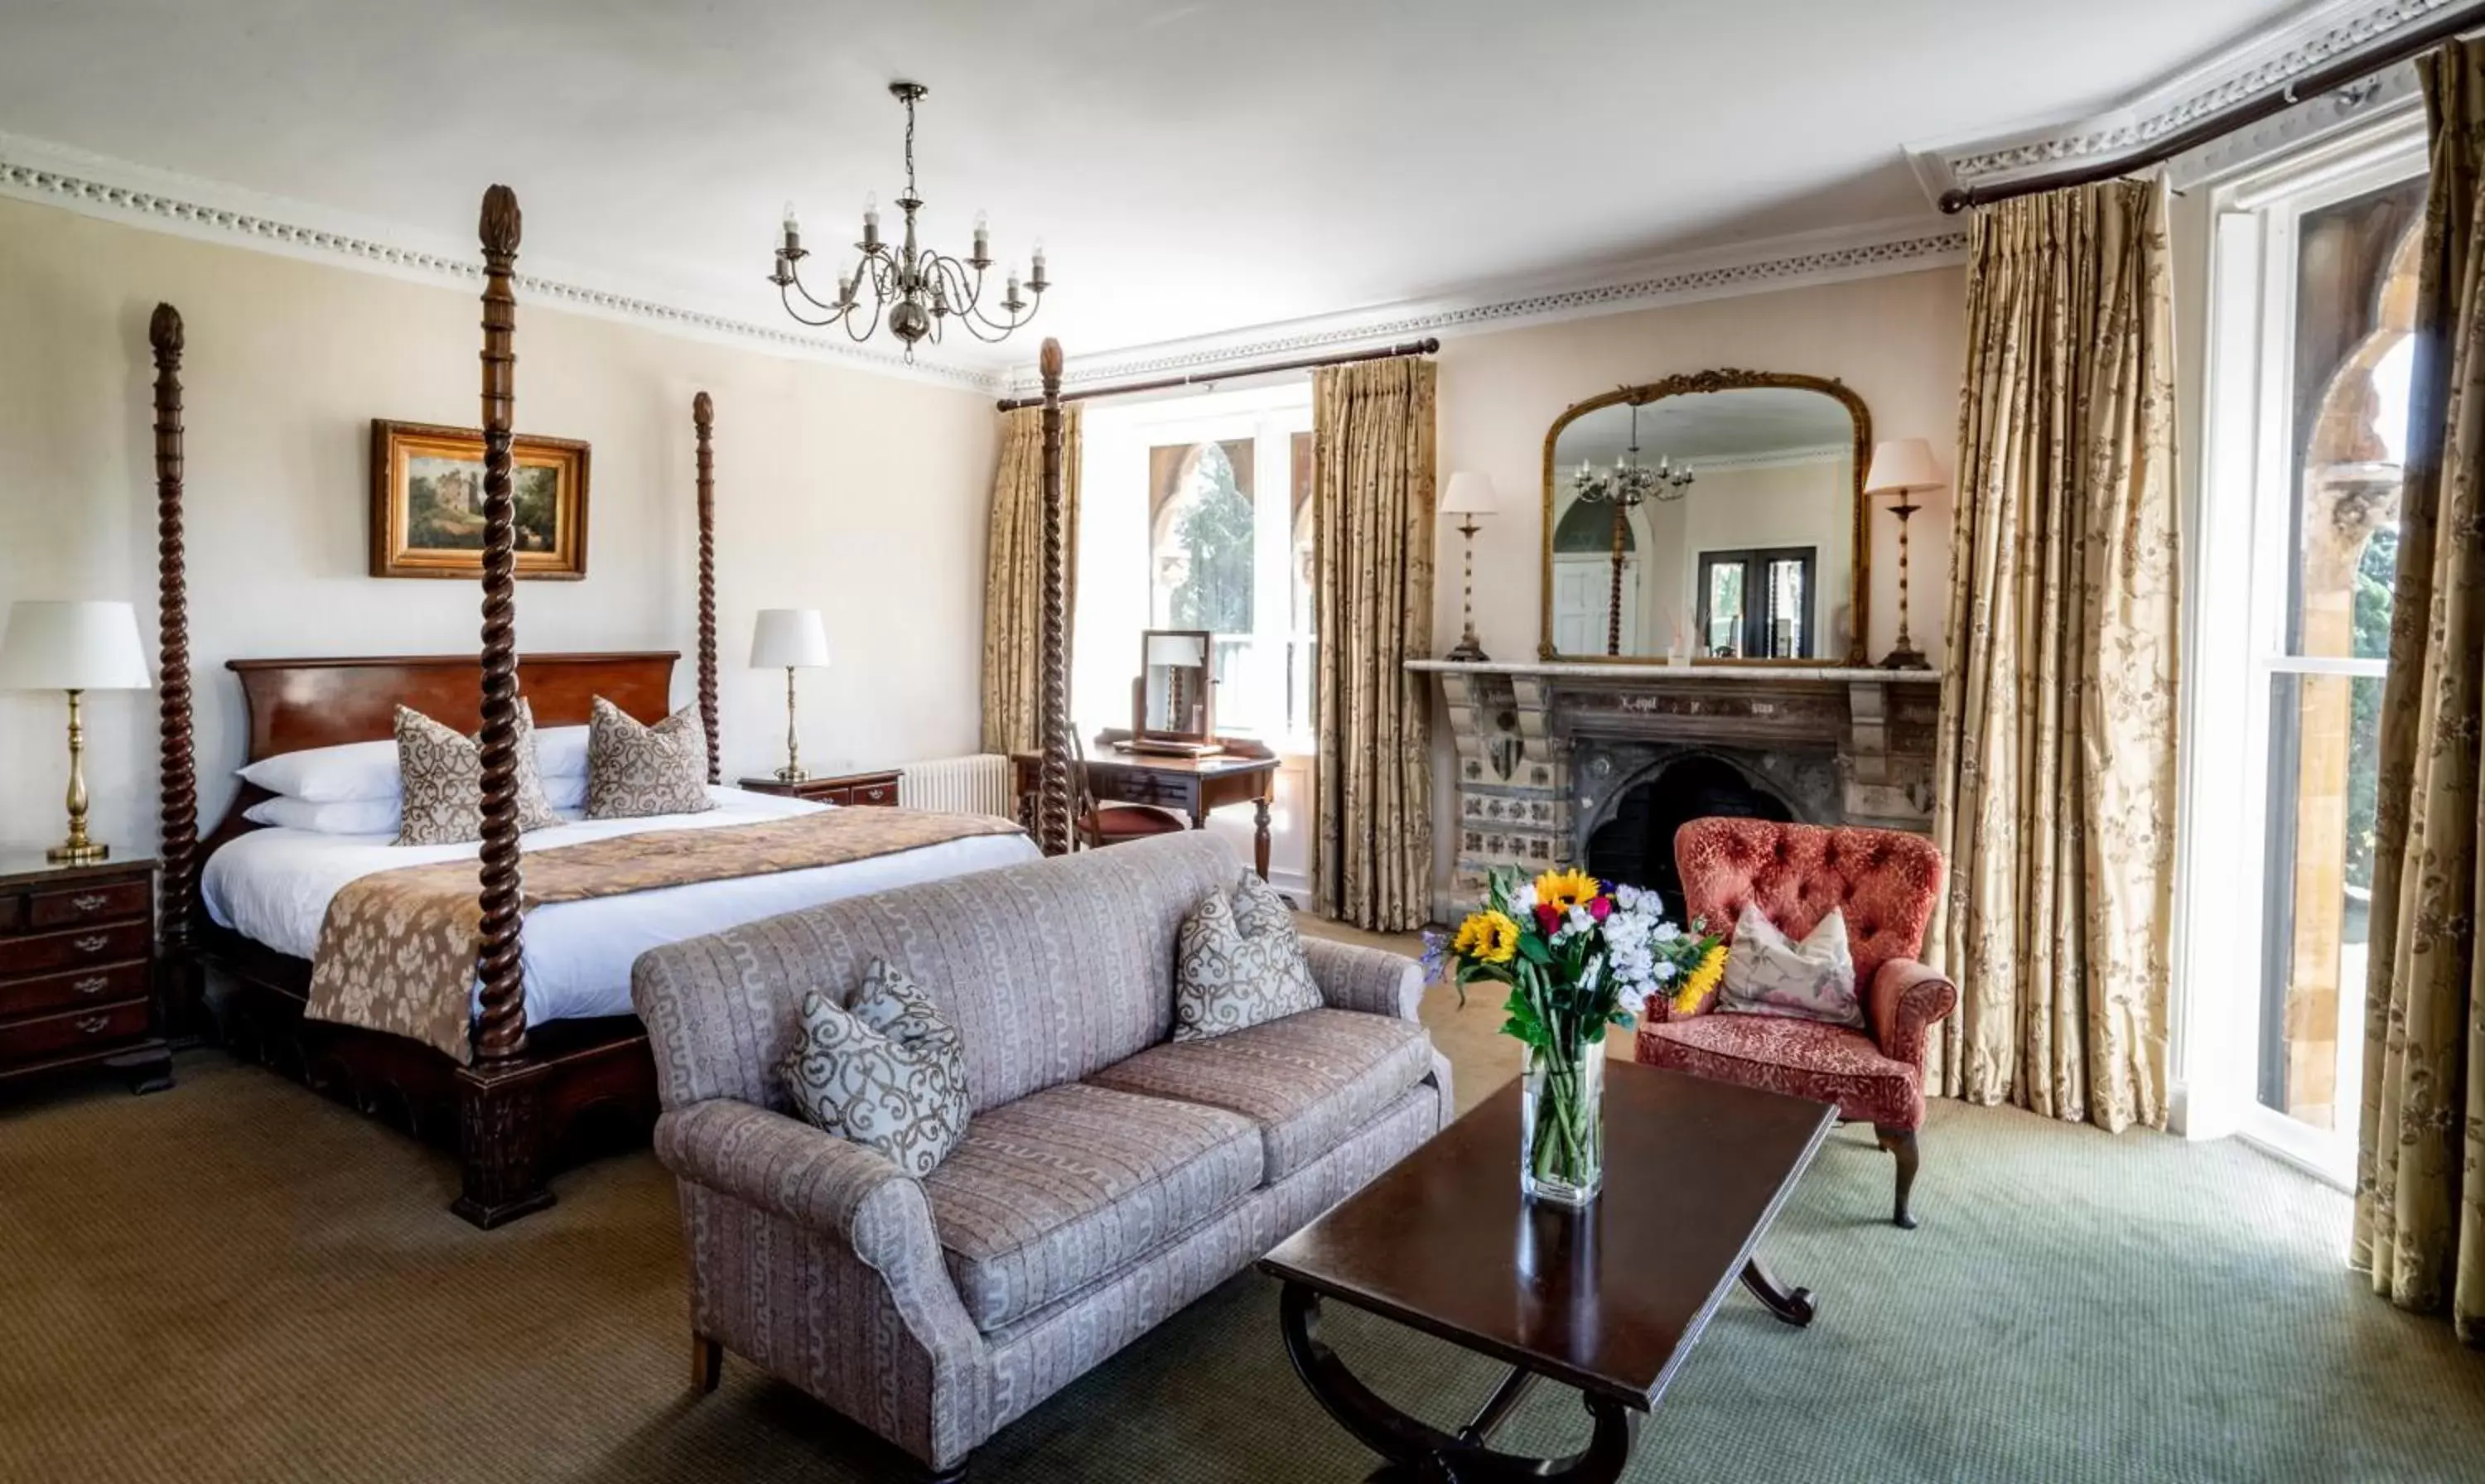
<point x="1575" y="951"/>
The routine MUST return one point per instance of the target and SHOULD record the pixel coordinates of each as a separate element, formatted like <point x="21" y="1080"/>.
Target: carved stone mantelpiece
<point x="1544" y="751"/>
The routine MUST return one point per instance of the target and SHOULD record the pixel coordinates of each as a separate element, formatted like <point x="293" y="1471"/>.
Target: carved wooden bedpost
<point x="703" y="422"/>
<point x="179" y="792"/>
<point x="502" y="1031"/>
<point x="1053" y="817"/>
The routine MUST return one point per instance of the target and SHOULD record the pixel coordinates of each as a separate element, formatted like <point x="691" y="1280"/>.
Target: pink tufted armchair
<point x="1888" y="884"/>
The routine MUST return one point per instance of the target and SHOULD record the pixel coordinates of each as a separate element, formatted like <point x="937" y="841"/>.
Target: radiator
<point x="969" y="785"/>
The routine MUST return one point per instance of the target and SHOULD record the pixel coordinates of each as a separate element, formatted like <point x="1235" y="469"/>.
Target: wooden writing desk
<point x="1191" y="787"/>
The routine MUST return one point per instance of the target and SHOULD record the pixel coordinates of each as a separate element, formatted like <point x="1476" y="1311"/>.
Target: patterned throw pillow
<point x="1814" y="980"/>
<point x="634" y="771"/>
<point x="888" y="1072"/>
<point x="442" y="774"/>
<point x="1238" y="963"/>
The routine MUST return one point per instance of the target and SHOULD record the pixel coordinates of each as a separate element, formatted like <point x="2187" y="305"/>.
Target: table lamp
<point x="1901" y="467"/>
<point x="75" y="647"/>
<point x="796" y="640"/>
<point x="1469" y="494"/>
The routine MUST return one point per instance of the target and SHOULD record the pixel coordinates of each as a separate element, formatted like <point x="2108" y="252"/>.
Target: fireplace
<point x="1635" y="841"/>
<point x="1599" y="764"/>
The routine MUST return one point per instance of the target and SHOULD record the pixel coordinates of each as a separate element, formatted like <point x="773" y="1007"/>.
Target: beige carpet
<point x="240" y="1282"/>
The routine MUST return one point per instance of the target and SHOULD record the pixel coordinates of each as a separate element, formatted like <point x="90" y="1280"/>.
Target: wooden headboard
<point x="295" y="704"/>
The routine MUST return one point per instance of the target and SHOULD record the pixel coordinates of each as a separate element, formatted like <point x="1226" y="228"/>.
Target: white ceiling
<point x="1193" y="168"/>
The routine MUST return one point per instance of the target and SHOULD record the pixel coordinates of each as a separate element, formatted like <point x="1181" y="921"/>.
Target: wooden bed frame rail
<point x="526" y="1103"/>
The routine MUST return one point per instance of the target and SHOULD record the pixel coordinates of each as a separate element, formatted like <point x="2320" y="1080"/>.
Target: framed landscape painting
<point x="428" y="503"/>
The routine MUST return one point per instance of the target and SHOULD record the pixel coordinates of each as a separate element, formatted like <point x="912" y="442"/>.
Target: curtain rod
<point x="2401" y="47"/>
<point x="1421" y="347"/>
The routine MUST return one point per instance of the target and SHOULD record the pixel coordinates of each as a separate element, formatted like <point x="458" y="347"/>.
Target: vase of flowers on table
<point x="1573" y="951"/>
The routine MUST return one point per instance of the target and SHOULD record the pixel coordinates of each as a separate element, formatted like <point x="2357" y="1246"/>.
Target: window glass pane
<point x="2355" y="297"/>
<point x="1304" y="628"/>
<point x="1725" y="633"/>
<point x="1786" y="606"/>
<point x="2325" y="737"/>
<point x="1200" y="531"/>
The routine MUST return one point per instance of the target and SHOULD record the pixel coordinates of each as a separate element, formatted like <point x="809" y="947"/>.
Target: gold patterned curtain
<point x="1014" y="574"/>
<point x="2421" y="1143"/>
<point x="2056" y="770"/>
<point x="1372" y="497"/>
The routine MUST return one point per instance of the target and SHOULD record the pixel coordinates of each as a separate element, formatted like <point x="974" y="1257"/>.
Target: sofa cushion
<point x="1805" y="1058"/>
<point x="1066" y="1187"/>
<point x="1238" y="963"/>
<point x="884" y="1072"/>
<point x="1308" y="1081"/>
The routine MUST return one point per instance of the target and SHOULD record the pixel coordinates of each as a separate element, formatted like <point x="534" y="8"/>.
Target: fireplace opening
<point x="1636" y="844"/>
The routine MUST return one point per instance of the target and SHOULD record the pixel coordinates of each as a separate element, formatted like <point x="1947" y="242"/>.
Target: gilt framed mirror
<point x="1716" y="518"/>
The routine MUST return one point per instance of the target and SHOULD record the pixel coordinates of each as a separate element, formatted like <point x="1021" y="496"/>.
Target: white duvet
<point x="273" y="886"/>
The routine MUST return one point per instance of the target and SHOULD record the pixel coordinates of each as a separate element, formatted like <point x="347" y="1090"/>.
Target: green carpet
<point x="240" y="1282"/>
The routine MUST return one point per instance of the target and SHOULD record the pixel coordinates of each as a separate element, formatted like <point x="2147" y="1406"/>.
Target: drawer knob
<point x="93" y="1025"/>
<point x="91" y="943"/>
<point x="92" y="983"/>
<point x="90" y="901"/>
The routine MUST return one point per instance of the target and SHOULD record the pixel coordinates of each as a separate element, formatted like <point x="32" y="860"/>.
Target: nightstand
<point x="77" y="970"/>
<point x="878" y="789"/>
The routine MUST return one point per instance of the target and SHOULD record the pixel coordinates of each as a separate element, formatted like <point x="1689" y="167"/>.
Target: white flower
<point x="1665" y="971"/>
<point x="1629" y="898"/>
<point x="1667" y="932"/>
<point x="1522" y="899"/>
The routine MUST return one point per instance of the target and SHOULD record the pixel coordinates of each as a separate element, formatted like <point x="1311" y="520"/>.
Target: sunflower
<point x="1701" y="982"/>
<point x="1486" y="937"/>
<point x="1562" y="890"/>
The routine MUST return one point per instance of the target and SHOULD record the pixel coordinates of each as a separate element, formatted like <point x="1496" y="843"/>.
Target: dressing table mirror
<point x="1714" y="518"/>
<point x="1174" y="701"/>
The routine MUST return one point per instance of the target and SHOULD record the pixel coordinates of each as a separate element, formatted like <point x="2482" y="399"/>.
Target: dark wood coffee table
<point x="1606" y="1300"/>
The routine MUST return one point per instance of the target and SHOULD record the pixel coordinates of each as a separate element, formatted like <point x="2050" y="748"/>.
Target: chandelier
<point x="919" y="289"/>
<point x="1630" y="484"/>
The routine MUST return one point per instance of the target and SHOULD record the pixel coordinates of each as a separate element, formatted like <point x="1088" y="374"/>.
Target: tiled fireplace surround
<point x="1547" y="751"/>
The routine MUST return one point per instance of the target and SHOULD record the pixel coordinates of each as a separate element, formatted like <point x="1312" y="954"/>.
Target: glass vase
<point x="1561" y="1129"/>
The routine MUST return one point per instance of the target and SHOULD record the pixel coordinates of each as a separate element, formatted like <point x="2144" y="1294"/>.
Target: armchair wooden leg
<point x="955" y="1473"/>
<point x="1901" y="1141"/>
<point x="707" y="1363"/>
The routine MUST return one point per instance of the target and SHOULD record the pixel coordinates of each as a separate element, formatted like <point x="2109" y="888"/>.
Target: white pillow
<point x="561" y="752"/>
<point x="563" y="790"/>
<point x="328" y="775"/>
<point x="1814" y="980"/>
<point x="350" y="816"/>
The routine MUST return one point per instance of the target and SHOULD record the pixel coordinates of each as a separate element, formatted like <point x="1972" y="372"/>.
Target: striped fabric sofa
<point x="1109" y="1176"/>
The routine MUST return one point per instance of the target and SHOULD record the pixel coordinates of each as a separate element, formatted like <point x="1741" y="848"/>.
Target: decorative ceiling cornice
<point x="1759" y="267"/>
<point x="2246" y="70"/>
<point x="113" y="189"/>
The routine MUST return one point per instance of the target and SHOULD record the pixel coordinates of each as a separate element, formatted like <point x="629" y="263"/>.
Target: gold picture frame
<point x="426" y="502"/>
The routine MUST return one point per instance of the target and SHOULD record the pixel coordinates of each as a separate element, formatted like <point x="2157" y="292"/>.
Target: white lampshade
<point x="1900" y="465"/>
<point x="72" y="646"/>
<point x="789" y="639"/>
<point x="1469" y="494"/>
<point x="1183" y="651"/>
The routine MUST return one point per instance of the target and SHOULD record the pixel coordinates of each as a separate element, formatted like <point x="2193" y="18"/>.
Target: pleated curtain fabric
<point x="1014" y="575"/>
<point x="1372" y="497"/>
<point x="2420" y="1145"/>
<point x="2054" y="777"/>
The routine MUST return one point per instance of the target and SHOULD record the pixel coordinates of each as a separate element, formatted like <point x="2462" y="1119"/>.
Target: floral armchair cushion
<point x="1814" y="980"/>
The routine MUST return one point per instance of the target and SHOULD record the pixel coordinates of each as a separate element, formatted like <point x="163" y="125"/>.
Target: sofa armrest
<point x="1371" y="979"/>
<point x="1906" y="999"/>
<point x="786" y="1167"/>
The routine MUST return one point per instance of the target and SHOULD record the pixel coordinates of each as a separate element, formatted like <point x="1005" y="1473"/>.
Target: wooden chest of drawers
<point x="77" y="970"/>
<point x="879" y="790"/>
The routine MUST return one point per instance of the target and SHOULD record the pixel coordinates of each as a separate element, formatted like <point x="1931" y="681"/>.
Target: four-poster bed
<point x="523" y="1094"/>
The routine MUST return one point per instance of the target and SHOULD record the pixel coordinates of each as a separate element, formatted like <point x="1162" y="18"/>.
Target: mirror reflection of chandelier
<point x="1630" y="484"/>
<point x="921" y="290"/>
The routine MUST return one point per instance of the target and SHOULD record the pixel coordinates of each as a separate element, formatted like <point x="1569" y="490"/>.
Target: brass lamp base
<point x="77" y="850"/>
<point x="793" y="775"/>
<point x="73" y="853"/>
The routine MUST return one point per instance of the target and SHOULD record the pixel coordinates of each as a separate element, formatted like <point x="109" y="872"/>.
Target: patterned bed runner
<point x="396" y="950"/>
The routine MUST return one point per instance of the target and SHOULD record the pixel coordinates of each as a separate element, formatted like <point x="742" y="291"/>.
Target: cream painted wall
<point x="861" y="495"/>
<point x="1898" y="341"/>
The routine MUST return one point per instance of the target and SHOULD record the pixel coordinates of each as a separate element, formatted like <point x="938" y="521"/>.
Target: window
<point x="2315" y="282"/>
<point x="1196" y="514"/>
<point x="1756" y="605"/>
